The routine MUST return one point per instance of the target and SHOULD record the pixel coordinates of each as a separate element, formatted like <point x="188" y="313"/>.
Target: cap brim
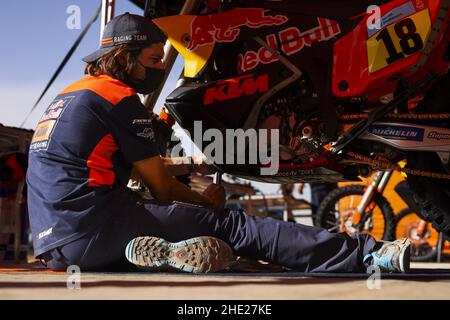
<point x="96" y="55"/>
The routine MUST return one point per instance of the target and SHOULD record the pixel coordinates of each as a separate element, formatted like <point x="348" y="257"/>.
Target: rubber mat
<point x="415" y="274"/>
<point x="24" y="268"/>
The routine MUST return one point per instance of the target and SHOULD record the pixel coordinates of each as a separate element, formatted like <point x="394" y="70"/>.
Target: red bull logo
<point x="57" y="104"/>
<point x="225" y="27"/>
<point x="292" y="40"/>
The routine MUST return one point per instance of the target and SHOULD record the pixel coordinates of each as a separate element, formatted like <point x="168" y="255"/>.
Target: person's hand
<point x="205" y="169"/>
<point x="216" y="194"/>
<point x="134" y="175"/>
<point x="202" y="167"/>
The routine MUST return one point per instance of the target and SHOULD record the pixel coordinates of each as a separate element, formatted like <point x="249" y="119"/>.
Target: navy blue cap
<point x="127" y="29"/>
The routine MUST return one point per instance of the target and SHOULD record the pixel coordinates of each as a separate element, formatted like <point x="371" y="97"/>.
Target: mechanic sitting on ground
<point x="83" y="150"/>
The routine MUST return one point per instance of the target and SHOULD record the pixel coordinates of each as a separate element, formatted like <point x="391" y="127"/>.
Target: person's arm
<point x="178" y="166"/>
<point x="136" y="140"/>
<point x="165" y="187"/>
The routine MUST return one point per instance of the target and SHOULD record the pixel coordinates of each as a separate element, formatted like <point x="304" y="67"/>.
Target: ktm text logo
<point x="237" y="87"/>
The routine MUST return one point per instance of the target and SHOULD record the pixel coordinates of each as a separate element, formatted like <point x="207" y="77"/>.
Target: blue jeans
<point x="299" y="247"/>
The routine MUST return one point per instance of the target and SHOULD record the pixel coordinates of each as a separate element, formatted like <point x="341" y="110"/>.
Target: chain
<point x="386" y="165"/>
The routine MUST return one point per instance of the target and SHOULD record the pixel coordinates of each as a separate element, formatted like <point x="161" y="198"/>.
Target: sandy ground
<point x="432" y="281"/>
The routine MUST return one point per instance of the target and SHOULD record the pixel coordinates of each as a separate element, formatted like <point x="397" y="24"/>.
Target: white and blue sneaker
<point x="196" y="255"/>
<point x="392" y="257"/>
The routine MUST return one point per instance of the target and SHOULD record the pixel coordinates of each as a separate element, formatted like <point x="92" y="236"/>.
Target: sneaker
<point x="392" y="256"/>
<point x="196" y="255"/>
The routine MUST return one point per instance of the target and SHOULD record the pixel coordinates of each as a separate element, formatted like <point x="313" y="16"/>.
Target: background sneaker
<point x="392" y="256"/>
<point x="196" y="255"/>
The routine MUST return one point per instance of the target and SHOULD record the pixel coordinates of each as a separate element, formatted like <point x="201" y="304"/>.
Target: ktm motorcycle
<point x="352" y="86"/>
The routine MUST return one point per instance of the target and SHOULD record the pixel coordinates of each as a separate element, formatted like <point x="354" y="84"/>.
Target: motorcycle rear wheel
<point x="431" y="194"/>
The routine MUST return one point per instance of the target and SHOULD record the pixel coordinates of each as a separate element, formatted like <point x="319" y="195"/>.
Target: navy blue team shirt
<point x="81" y="158"/>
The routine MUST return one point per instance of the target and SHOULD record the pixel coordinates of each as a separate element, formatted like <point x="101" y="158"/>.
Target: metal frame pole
<point x="440" y="247"/>
<point x="107" y="14"/>
<point x="170" y="55"/>
<point x="217" y="178"/>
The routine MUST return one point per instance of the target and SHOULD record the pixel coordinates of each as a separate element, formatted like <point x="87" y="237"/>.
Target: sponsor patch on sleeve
<point x="47" y="123"/>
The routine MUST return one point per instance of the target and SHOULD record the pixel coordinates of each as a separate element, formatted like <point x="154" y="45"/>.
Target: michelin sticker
<point x="398" y="132"/>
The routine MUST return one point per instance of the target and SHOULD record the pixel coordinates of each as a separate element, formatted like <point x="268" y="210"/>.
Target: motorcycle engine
<point x="294" y="112"/>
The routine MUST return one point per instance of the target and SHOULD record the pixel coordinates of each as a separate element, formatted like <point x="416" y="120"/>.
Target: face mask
<point x="153" y="79"/>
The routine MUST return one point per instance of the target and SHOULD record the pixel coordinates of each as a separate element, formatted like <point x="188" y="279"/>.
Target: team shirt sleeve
<point x="132" y="129"/>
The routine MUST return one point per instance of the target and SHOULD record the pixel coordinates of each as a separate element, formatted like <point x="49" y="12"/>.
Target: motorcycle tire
<point x="325" y="210"/>
<point x="431" y="194"/>
<point x="430" y="254"/>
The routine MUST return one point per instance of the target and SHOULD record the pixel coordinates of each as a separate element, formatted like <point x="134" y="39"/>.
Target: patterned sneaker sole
<point x="196" y="255"/>
<point x="405" y="255"/>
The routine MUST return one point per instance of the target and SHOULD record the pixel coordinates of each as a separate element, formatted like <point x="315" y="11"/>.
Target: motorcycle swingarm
<point x="409" y="137"/>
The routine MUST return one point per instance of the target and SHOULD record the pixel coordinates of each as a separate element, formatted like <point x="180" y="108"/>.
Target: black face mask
<point x="153" y="79"/>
